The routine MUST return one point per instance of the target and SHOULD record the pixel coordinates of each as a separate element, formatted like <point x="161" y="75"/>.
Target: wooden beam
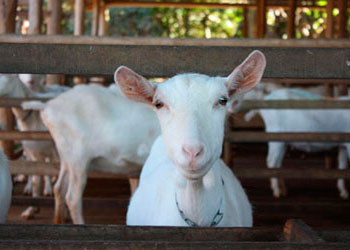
<point x="7" y="25"/>
<point x="294" y="104"/>
<point x="245" y="25"/>
<point x="16" y="102"/>
<point x="291" y="18"/>
<point x="119" y="232"/>
<point x="35" y="17"/>
<point x="52" y="169"/>
<point x="54" y="27"/>
<point x="298" y="231"/>
<point x="191" y="4"/>
<point x="168" y="4"/>
<point x="261" y="4"/>
<point x="342" y="21"/>
<point x="79" y="17"/>
<point x="77" y="59"/>
<point x="265" y="43"/>
<point x="102" y="24"/>
<point x="25" y="135"/>
<point x="95" y="17"/>
<point x="244" y="136"/>
<point x="330" y="19"/>
<point x="8" y="16"/>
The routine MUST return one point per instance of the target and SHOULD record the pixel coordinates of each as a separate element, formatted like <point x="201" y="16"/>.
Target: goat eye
<point x="222" y="101"/>
<point x="158" y="104"/>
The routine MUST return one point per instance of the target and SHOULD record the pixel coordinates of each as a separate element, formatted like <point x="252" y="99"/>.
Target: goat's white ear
<point x="247" y="74"/>
<point x="134" y="86"/>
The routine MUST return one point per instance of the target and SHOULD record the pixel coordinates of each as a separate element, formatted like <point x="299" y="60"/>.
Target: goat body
<point x="183" y="182"/>
<point x="95" y="128"/>
<point x="294" y="120"/>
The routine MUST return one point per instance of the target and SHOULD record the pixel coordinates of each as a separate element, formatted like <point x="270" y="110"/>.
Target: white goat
<point x="331" y="120"/>
<point x="11" y="86"/>
<point x="183" y="182"/>
<point x="37" y="84"/>
<point x="95" y="128"/>
<point x="5" y="187"/>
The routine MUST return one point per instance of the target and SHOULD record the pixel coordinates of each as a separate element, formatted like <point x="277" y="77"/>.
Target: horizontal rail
<point x="295" y="104"/>
<point x="115" y="232"/>
<point x="93" y="40"/>
<point x="16" y="102"/>
<point x="287" y="137"/>
<point x="24" y="135"/>
<point x="246" y="105"/>
<point x="52" y="169"/>
<point x="164" y="60"/>
<point x="243" y="136"/>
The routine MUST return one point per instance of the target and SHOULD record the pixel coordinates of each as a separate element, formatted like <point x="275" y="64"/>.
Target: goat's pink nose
<point x="193" y="151"/>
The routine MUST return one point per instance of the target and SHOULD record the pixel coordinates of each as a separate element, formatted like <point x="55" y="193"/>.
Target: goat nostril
<point x="193" y="152"/>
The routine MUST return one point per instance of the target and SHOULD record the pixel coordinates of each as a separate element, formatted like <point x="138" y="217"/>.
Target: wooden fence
<point x="295" y="234"/>
<point x="316" y="60"/>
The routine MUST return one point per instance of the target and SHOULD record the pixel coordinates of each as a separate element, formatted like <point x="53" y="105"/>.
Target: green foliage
<point x="176" y="23"/>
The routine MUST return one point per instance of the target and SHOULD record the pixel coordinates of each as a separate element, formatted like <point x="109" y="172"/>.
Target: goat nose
<point x="193" y="151"/>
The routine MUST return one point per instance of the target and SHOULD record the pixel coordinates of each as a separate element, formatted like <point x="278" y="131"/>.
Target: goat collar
<point x="215" y="221"/>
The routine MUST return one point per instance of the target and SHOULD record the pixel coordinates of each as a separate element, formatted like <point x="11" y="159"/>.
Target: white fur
<point x="5" y="187"/>
<point x="95" y="128"/>
<point x="331" y="120"/>
<point x="184" y="162"/>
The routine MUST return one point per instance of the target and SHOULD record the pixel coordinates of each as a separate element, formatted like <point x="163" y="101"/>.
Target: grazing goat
<point x="183" y="182"/>
<point x="292" y="120"/>
<point x="5" y="187"/>
<point x="95" y="128"/>
<point x="11" y="86"/>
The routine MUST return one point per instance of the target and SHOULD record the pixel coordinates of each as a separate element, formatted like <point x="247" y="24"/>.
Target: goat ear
<point x="134" y="86"/>
<point x="247" y="74"/>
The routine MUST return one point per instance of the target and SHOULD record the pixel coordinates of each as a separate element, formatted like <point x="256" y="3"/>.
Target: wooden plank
<point x="330" y="19"/>
<point x="125" y="233"/>
<point x="335" y="235"/>
<point x="342" y="19"/>
<point x="25" y="135"/>
<point x="243" y="136"/>
<point x="35" y="17"/>
<point x="79" y="17"/>
<point x="261" y="18"/>
<point x="291" y="18"/>
<point x="246" y="105"/>
<point x="296" y="230"/>
<point x="90" y="40"/>
<point x="16" y="102"/>
<point x="52" y="169"/>
<point x="295" y="104"/>
<point x="294" y="173"/>
<point x="8" y="10"/>
<point x="44" y="245"/>
<point x="104" y="59"/>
